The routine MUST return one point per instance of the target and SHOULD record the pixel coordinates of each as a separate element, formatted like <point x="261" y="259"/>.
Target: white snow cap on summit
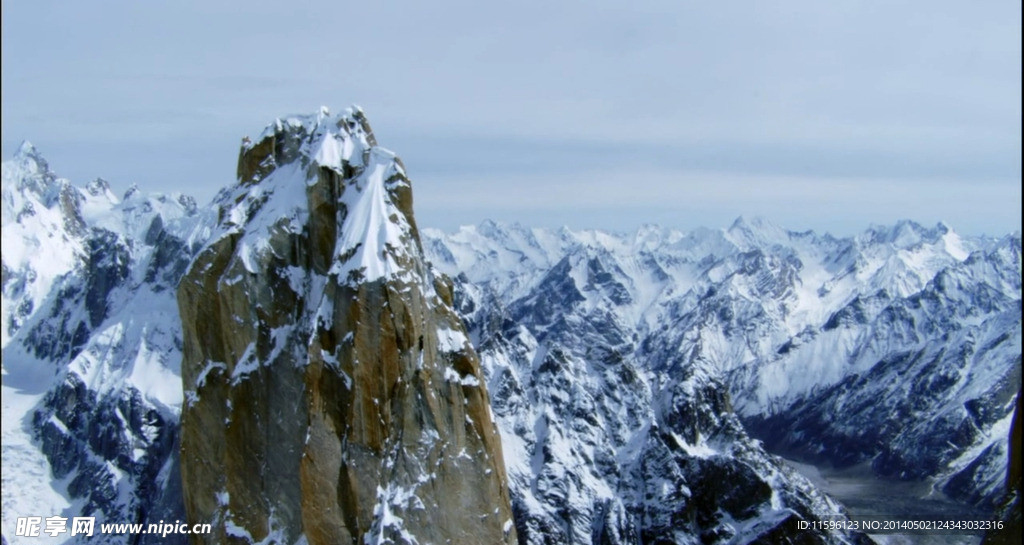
<point x="372" y="227"/>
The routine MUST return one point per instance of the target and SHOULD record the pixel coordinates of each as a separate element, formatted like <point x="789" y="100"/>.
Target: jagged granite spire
<point x="331" y="394"/>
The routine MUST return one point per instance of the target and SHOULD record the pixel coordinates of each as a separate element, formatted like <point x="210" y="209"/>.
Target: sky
<point x="815" y="115"/>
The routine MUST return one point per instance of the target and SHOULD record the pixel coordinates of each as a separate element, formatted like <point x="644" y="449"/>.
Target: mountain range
<point x="299" y="362"/>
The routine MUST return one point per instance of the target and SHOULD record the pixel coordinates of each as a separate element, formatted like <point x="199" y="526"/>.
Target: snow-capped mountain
<point x="934" y="379"/>
<point x="331" y="394"/>
<point x="900" y="346"/>
<point x="295" y="342"/>
<point x="91" y="347"/>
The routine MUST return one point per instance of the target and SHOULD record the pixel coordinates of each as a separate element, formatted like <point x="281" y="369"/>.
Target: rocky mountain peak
<point x="31" y="161"/>
<point x="322" y="352"/>
<point x="325" y="172"/>
<point x="332" y="141"/>
<point x="99" y="187"/>
<point x="755" y="232"/>
<point x="907" y="234"/>
<point x="29" y="174"/>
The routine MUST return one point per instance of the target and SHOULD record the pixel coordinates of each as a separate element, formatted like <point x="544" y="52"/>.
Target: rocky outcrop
<point x="331" y="394"/>
<point x="1009" y="514"/>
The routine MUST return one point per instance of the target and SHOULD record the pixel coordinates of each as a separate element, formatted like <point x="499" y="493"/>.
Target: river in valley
<point x="865" y="495"/>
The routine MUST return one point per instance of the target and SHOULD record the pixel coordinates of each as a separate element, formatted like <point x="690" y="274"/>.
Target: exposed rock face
<point x="1010" y="510"/>
<point x="331" y="394"/>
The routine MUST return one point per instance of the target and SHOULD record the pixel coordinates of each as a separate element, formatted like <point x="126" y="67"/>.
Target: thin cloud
<point x="891" y="94"/>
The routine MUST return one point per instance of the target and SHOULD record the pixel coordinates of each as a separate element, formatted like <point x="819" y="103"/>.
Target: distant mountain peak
<point x="26" y="149"/>
<point x="756" y="231"/>
<point x="31" y="171"/>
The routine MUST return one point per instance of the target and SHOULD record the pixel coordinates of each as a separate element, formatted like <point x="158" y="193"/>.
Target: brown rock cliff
<point x="331" y="392"/>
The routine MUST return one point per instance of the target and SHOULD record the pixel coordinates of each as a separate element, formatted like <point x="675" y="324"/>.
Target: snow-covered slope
<point x="907" y="331"/>
<point x="607" y="439"/>
<point x="91" y="347"/>
<point x="626" y="373"/>
<point x="933" y="381"/>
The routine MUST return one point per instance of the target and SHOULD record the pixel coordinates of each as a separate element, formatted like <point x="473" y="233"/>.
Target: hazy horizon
<point x="824" y="117"/>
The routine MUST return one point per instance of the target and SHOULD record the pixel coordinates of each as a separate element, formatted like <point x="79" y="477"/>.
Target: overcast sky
<point x="824" y="115"/>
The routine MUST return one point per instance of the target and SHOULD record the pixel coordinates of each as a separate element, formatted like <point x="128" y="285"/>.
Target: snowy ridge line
<point x="608" y="356"/>
<point x="659" y="271"/>
<point x="919" y="322"/>
<point x="91" y="346"/>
